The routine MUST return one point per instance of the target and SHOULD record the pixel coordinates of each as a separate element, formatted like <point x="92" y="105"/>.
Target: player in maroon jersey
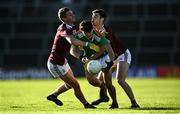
<point x="57" y="62"/>
<point x="122" y="56"/>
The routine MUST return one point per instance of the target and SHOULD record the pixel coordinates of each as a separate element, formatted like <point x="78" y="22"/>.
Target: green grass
<point x="29" y="96"/>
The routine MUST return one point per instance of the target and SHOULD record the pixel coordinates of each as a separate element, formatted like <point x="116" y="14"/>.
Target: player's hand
<point x="83" y="58"/>
<point x="94" y="47"/>
<point x="109" y="65"/>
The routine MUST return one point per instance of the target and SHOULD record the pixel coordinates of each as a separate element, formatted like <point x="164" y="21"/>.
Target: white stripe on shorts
<point x="125" y="57"/>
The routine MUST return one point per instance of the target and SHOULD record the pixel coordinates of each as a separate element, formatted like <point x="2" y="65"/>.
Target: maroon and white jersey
<point x="118" y="47"/>
<point x="60" y="45"/>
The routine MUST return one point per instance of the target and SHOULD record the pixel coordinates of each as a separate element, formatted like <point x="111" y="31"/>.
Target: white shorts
<point x="125" y="57"/>
<point x="58" y="70"/>
<point x="103" y="60"/>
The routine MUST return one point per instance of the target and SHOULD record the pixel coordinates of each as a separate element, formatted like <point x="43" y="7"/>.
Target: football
<point x="93" y="67"/>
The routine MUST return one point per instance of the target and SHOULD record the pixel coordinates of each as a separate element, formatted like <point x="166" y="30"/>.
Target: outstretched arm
<point x="74" y="51"/>
<point x="110" y="51"/>
<point x="76" y="42"/>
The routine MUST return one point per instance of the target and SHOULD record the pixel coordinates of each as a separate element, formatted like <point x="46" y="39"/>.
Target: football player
<point x="122" y="55"/>
<point x="57" y="62"/>
<point x="104" y="54"/>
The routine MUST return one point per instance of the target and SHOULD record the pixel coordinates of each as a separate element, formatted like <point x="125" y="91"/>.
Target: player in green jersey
<point x="100" y="49"/>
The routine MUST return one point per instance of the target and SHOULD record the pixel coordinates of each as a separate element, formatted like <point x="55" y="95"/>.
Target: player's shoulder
<point x="62" y="27"/>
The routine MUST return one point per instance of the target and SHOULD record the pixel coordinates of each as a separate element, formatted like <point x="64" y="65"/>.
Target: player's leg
<point x="122" y="69"/>
<point x="65" y="73"/>
<point x="103" y="91"/>
<point x="111" y="89"/>
<point x="121" y="73"/>
<point x="53" y="95"/>
<point x="103" y="94"/>
<point x="93" y="80"/>
<point x="100" y="76"/>
<point x="61" y="89"/>
<point x="71" y="80"/>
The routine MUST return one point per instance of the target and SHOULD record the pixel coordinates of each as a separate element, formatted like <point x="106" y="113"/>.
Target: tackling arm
<point x="74" y="51"/>
<point x="75" y="41"/>
<point x="110" y="51"/>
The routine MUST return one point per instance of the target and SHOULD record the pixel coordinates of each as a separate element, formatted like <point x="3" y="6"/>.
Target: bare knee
<point x="121" y="78"/>
<point x="92" y="82"/>
<point x="121" y="81"/>
<point x="75" y="85"/>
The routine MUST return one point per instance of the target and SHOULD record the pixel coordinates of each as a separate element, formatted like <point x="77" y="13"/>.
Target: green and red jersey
<point x="97" y="39"/>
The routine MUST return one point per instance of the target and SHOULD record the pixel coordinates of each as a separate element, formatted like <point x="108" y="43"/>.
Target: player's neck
<point x="70" y="24"/>
<point x="99" y="27"/>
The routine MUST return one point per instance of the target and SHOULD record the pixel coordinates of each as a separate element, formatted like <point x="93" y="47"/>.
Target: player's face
<point x="96" y="20"/>
<point x="89" y="34"/>
<point x="70" y="17"/>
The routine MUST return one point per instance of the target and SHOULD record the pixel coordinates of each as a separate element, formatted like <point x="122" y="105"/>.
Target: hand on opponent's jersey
<point x="83" y="58"/>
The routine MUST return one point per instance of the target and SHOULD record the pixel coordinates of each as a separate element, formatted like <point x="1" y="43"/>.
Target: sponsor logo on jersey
<point x="80" y="34"/>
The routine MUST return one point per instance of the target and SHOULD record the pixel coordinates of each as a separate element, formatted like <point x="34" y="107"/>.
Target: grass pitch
<point x="160" y="96"/>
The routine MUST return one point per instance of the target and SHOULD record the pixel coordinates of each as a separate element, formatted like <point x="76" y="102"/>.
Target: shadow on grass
<point x="148" y="108"/>
<point x="155" y="108"/>
<point x="16" y="107"/>
<point x="143" y="108"/>
<point x="159" y="108"/>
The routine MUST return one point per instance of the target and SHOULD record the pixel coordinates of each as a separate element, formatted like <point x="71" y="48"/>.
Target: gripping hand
<point x="83" y="58"/>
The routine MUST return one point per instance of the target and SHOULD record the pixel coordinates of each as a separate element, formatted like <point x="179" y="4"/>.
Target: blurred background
<point x="149" y="28"/>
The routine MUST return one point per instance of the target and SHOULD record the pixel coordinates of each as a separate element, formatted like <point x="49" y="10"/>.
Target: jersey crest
<point x="80" y="34"/>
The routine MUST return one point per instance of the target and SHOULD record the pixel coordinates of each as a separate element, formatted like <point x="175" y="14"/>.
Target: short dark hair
<point x="62" y="12"/>
<point x="86" y="26"/>
<point x="101" y="12"/>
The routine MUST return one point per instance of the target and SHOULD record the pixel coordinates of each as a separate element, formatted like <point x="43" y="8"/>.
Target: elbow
<point x="71" y="52"/>
<point x="72" y="41"/>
